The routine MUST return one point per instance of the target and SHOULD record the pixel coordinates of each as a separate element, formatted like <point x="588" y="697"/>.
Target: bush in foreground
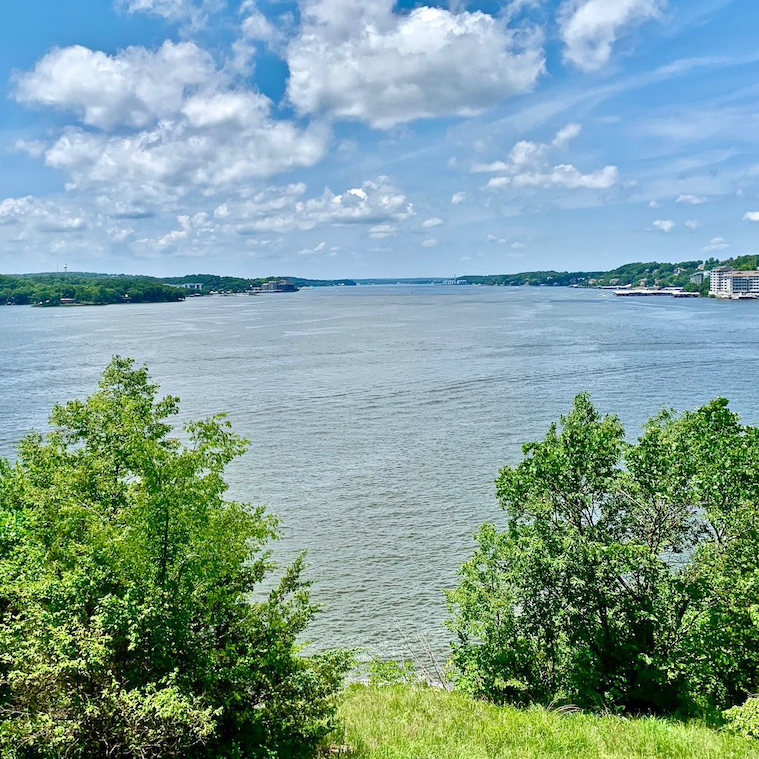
<point x="128" y="624"/>
<point x="628" y="576"/>
<point x="744" y="719"/>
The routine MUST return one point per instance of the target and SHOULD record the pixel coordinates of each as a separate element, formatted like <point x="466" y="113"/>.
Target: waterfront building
<point x="726" y="282"/>
<point x="278" y="286"/>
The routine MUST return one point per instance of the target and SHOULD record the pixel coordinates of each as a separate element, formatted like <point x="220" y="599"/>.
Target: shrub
<point x="131" y="620"/>
<point x="627" y="576"/>
<point x="391" y="672"/>
<point x="744" y="719"/>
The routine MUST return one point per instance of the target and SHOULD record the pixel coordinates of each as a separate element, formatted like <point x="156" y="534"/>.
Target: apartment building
<point x="726" y="282"/>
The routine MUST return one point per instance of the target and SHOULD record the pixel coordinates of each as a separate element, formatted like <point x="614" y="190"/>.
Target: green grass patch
<point x="398" y="721"/>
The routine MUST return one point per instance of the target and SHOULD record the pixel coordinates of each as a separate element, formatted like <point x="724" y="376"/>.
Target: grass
<point x="402" y="722"/>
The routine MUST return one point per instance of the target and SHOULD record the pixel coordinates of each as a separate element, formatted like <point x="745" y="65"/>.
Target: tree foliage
<point x="628" y="575"/>
<point x="84" y="289"/>
<point x="131" y="620"/>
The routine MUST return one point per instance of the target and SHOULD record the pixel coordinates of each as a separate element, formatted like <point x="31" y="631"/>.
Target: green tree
<point x="627" y="577"/>
<point x="131" y="620"/>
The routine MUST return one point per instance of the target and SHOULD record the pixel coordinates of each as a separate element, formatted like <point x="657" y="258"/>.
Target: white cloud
<point x="375" y="202"/>
<point x="565" y="135"/>
<point x="35" y="214"/>
<point x="172" y="238"/>
<point x="313" y="251"/>
<point x="429" y="243"/>
<point x="566" y="175"/>
<point x="433" y="222"/>
<point x="716" y="243"/>
<point x="38" y="233"/>
<point x="751" y="216"/>
<point x="120" y="234"/>
<point x="363" y="61"/>
<point x="194" y="13"/>
<point x="195" y="130"/>
<point x="528" y="165"/>
<point x="380" y="231"/>
<point x="457" y="198"/>
<point x="589" y="28"/>
<point x="33" y="148"/>
<point x="664" y="225"/>
<point x="255" y="26"/>
<point x="691" y="200"/>
<point x="654" y="204"/>
<point x="134" y="88"/>
<point x="169" y="160"/>
<point x="692" y="224"/>
<point x="11" y="209"/>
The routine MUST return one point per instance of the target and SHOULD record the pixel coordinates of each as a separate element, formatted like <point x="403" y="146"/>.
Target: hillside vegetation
<point x="648" y="274"/>
<point x="84" y="289"/>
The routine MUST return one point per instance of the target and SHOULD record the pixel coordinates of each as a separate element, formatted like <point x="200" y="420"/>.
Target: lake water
<point x="380" y="416"/>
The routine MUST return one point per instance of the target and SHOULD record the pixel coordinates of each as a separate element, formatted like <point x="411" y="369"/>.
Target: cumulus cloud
<point x="433" y="222"/>
<point x="193" y="13"/>
<point x="167" y="122"/>
<point x="589" y="28"/>
<point x="457" y="198"/>
<point x="255" y="26"/>
<point x="654" y="204"/>
<point x="11" y="209"/>
<point x="716" y="243"/>
<point x="169" y="160"/>
<point x="375" y="203"/>
<point x="751" y="216"/>
<point x="692" y="224"/>
<point x="193" y="235"/>
<point x="563" y="175"/>
<point x="41" y="215"/>
<point x="565" y="135"/>
<point x="33" y="148"/>
<point x="528" y="165"/>
<point x="664" y="225"/>
<point x="134" y="88"/>
<point x="691" y="200"/>
<point x="364" y="61"/>
<point x="38" y="231"/>
<point x="429" y="243"/>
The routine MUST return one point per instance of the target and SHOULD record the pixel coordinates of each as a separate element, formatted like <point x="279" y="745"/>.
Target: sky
<point x="366" y="138"/>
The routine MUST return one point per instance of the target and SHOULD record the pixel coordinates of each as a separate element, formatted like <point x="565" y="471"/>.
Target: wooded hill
<point x="83" y="289"/>
<point x="650" y="274"/>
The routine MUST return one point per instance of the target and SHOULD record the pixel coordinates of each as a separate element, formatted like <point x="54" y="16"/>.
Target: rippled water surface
<point x="379" y="416"/>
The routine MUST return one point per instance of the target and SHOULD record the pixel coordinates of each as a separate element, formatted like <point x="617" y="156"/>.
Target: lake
<point x="380" y="416"/>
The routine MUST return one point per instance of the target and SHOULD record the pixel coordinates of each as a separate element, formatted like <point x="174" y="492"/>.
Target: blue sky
<point x="338" y="138"/>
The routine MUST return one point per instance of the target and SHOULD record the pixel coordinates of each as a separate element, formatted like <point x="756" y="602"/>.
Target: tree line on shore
<point x="82" y="289"/>
<point x="133" y="619"/>
<point x="638" y="274"/>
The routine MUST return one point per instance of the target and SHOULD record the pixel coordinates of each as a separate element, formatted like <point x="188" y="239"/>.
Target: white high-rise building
<point x="726" y="282"/>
